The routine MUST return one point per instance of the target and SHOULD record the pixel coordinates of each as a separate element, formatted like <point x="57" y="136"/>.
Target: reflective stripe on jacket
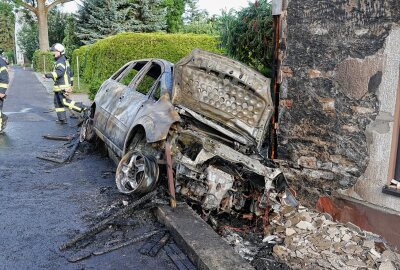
<point x="62" y="74"/>
<point x="4" y="79"/>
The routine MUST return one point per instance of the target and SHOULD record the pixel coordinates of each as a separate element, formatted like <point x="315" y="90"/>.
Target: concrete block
<point x="205" y="248"/>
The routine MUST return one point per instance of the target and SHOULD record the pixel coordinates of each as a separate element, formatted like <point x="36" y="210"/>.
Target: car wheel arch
<point x="92" y="110"/>
<point x="150" y="136"/>
<point x="131" y="134"/>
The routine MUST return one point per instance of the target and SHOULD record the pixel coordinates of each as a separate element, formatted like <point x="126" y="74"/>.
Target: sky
<point x="212" y="6"/>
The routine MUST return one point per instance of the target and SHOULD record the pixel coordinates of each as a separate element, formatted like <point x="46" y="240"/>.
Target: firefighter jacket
<point x="62" y="74"/>
<point x="4" y="79"/>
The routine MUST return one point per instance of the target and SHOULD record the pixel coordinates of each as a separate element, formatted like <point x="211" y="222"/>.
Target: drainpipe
<point x="276" y="15"/>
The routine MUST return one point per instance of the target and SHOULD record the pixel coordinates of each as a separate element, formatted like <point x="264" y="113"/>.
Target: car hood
<point x="224" y="91"/>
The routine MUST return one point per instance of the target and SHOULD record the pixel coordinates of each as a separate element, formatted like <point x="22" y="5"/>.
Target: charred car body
<point x="208" y="112"/>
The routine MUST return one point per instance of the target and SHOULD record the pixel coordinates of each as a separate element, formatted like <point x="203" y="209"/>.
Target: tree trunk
<point x="42" y="25"/>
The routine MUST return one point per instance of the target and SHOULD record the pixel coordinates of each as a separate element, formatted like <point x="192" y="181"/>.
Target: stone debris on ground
<point x="311" y="240"/>
<point x="305" y="239"/>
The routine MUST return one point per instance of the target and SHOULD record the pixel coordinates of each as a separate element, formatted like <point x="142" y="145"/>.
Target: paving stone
<point x="304" y="225"/>
<point x="293" y="221"/>
<point x="299" y="254"/>
<point x="336" y="239"/>
<point x="388" y="265"/>
<point x="346" y="237"/>
<point x="287" y="211"/>
<point x="375" y="253"/>
<point x="306" y="217"/>
<point x="369" y="244"/>
<point x="350" y="249"/>
<point x="356" y="263"/>
<point x="280" y="251"/>
<point x="290" y="231"/>
<point x="389" y="255"/>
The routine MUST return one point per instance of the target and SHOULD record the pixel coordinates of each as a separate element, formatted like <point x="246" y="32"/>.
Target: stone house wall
<point x="340" y="79"/>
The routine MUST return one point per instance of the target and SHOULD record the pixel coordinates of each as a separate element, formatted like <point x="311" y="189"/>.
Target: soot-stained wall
<point x="338" y="93"/>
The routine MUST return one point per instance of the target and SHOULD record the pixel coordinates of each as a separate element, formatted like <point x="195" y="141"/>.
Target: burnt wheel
<point x="137" y="173"/>
<point x="87" y="132"/>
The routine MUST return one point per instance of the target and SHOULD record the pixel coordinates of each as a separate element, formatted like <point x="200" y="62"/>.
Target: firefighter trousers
<point x="61" y="102"/>
<point x="3" y="117"/>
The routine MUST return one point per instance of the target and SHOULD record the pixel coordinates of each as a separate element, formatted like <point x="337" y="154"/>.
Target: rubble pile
<point x="300" y="238"/>
<point x="311" y="240"/>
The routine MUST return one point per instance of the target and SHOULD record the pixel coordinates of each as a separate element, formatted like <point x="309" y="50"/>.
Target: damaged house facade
<point x="205" y="120"/>
<point x="339" y="106"/>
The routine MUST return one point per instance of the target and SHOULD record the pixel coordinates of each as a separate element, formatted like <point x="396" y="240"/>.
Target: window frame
<point x="134" y="83"/>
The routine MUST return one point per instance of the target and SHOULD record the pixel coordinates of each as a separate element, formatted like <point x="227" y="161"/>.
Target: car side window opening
<point x="120" y="72"/>
<point x="131" y="73"/>
<point x="157" y="91"/>
<point x="148" y="80"/>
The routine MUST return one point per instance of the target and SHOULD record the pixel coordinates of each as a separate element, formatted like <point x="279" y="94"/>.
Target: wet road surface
<point x="44" y="204"/>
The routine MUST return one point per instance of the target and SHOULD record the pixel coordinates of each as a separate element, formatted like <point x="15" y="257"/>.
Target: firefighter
<point x="63" y="82"/>
<point x="4" y="80"/>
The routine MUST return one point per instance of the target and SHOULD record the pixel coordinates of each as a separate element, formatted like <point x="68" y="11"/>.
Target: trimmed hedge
<point x="42" y="60"/>
<point x="97" y="62"/>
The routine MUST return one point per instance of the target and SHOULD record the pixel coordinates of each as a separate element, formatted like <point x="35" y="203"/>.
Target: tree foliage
<point x="57" y="22"/>
<point x="206" y="25"/>
<point x="247" y="35"/>
<point x="28" y="39"/>
<point x="41" y="9"/>
<point x="70" y="41"/>
<point x="143" y="16"/>
<point x="6" y="26"/>
<point x="28" y="36"/>
<point x="98" y="19"/>
<point x="175" y="10"/>
<point x="193" y="13"/>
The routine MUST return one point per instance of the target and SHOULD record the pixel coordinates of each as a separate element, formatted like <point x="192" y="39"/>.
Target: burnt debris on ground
<point x="65" y="153"/>
<point x="125" y="223"/>
<point x="268" y="229"/>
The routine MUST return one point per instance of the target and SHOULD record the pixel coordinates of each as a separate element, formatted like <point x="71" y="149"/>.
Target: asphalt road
<point x="44" y="204"/>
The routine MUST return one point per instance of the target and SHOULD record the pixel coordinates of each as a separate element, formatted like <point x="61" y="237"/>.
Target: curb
<point x="47" y="85"/>
<point x="205" y="248"/>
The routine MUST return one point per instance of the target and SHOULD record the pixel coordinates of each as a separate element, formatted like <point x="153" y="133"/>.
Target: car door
<point x="128" y="107"/>
<point x="105" y="97"/>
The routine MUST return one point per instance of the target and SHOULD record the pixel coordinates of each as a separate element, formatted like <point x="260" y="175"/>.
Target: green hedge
<point x="42" y="61"/>
<point x="10" y="57"/>
<point x="97" y="62"/>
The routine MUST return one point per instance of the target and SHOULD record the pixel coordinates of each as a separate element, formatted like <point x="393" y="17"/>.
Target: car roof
<point x="158" y="60"/>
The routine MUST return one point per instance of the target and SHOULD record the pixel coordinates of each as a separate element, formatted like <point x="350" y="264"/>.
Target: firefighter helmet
<point x="58" y="47"/>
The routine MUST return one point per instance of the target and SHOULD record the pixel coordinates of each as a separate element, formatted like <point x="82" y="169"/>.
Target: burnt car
<point x="209" y="113"/>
